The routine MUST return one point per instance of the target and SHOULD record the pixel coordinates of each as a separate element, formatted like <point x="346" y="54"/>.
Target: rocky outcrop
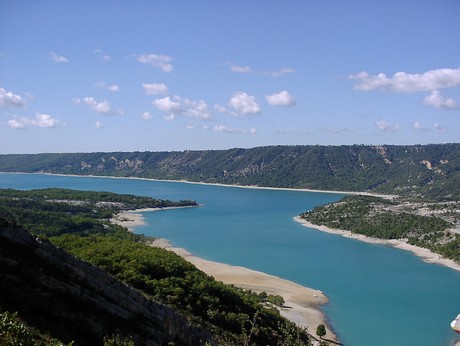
<point x="73" y="300"/>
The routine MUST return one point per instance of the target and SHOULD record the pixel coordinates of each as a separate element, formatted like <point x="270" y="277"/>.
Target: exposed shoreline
<point x="214" y="184"/>
<point x="427" y="255"/>
<point x="302" y="304"/>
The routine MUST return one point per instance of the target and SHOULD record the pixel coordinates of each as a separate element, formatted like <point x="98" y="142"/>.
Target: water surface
<point x="378" y="295"/>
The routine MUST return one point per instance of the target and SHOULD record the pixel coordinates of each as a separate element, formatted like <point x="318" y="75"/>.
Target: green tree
<point x="321" y="331"/>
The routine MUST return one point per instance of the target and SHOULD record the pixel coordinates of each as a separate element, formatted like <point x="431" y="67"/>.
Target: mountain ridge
<point x="419" y="171"/>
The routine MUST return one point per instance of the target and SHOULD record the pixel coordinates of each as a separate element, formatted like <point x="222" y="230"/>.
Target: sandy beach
<point x="302" y="304"/>
<point x="425" y="254"/>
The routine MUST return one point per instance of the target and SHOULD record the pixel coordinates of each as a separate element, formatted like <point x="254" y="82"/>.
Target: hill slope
<point x="427" y="171"/>
<point x="74" y="300"/>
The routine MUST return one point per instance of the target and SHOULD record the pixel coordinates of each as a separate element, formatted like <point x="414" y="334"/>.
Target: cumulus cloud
<point x="102" y="107"/>
<point x="406" y="82"/>
<point x="244" y="104"/>
<point x="41" y="120"/>
<point x="283" y="98"/>
<point x="180" y="106"/>
<point x="197" y="109"/>
<point x="57" y="58"/>
<point x="165" y="104"/>
<point x="435" y="99"/>
<point x="383" y="125"/>
<point x="18" y="123"/>
<point x="105" y="86"/>
<point x="163" y="62"/>
<point x="155" y="88"/>
<point x="99" y="125"/>
<point x="8" y="99"/>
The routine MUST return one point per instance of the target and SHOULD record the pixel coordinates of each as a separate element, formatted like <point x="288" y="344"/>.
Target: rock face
<point x="73" y="300"/>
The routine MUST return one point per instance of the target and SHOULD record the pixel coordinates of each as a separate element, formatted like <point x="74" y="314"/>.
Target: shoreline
<point x="302" y="304"/>
<point x="215" y="184"/>
<point x="426" y="255"/>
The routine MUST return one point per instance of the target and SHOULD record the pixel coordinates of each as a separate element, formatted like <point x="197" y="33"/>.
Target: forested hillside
<point x="422" y="171"/>
<point x="70" y="273"/>
<point x="428" y="225"/>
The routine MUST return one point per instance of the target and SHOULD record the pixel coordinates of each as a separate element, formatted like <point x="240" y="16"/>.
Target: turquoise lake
<point x="378" y="295"/>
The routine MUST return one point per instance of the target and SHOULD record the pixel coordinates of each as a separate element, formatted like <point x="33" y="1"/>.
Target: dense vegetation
<point x="418" y="171"/>
<point x="13" y="331"/>
<point x="77" y="222"/>
<point x="52" y="212"/>
<point x="385" y="219"/>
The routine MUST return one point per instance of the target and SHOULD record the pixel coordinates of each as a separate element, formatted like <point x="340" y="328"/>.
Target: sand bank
<point x="133" y="218"/>
<point x="302" y="304"/>
<point x="427" y="255"/>
<point x="130" y="219"/>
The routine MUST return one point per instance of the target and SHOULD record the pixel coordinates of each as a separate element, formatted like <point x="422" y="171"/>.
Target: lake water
<point x="378" y="295"/>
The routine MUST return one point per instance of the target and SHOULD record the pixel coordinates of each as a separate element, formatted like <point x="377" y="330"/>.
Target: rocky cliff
<point x="73" y="300"/>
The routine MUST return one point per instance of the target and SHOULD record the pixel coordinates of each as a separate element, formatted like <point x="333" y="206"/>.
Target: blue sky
<point x="86" y="76"/>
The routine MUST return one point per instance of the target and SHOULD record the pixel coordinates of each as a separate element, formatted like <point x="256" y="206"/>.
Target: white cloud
<point x="146" y="116"/>
<point x="386" y="126"/>
<point x="226" y="129"/>
<point x="240" y="69"/>
<point x="435" y="99"/>
<point x="57" y="58"/>
<point x="155" y="88"/>
<point x="45" y="120"/>
<point x="244" y="104"/>
<point x="167" y="105"/>
<point x="419" y="127"/>
<point x="179" y="106"/>
<point x="406" y="82"/>
<point x="283" y="98"/>
<point x="17" y="123"/>
<point x="439" y="128"/>
<point x="41" y="120"/>
<point x="197" y="109"/>
<point x="105" y="86"/>
<point x="163" y="62"/>
<point x="104" y="57"/>
<point x="99" y="125"/>
<point x="8" y="99"/>
<point x="246" y="69"/>
<point x="102" y="107"/>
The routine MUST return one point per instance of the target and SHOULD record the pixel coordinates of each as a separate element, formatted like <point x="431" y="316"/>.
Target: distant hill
<point x="423" y="171"/>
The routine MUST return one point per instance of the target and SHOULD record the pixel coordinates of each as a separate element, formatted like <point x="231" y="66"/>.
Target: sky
<point x="119" y="75"/>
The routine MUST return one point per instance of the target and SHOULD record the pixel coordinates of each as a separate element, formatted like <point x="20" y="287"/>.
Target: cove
<point x="378" y="295"/>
